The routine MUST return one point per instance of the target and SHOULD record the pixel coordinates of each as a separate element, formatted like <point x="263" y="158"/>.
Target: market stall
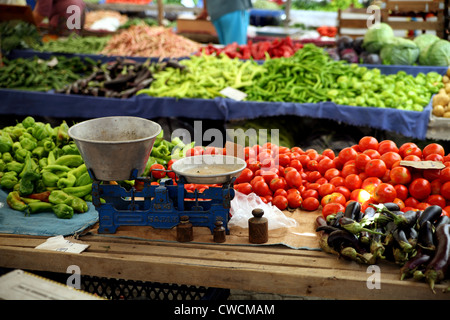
<point x="129" y="224"/>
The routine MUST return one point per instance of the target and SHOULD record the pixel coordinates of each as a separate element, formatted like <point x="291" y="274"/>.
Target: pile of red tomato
<point x="368" y="172"/>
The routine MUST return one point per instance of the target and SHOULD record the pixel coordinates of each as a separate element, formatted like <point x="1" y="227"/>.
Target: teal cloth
<point x="44" y="223"/>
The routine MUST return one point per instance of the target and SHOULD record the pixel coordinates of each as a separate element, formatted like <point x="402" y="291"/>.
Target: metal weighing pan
<point x="112" y="147"/>
<point x="209" y="169"/>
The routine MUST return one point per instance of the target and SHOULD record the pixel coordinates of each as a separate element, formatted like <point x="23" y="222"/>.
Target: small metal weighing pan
<point x="114" y="147"/>
<point x="209" y="169"/>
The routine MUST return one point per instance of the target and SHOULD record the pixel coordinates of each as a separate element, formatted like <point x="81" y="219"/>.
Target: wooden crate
<point x="405" y="10"/>
<point x="353" y="22"/>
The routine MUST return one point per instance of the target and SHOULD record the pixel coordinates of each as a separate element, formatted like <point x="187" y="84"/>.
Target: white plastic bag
<point x="241" y="210"/>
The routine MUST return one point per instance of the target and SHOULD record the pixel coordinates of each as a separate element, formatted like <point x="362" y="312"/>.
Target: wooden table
<point x="272" y="269"/>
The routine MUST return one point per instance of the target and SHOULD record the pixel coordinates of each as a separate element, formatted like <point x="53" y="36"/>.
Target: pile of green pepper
<point x="42" y="169"/>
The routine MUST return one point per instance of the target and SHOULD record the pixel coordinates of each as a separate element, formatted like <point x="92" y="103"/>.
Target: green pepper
<point x="47" y="144"/>
<point x="63" y="211"/>
<point x="70" y="148"/>
<point x="56" y="167"/>
<point x="6" y="142"/>
<point x="15" y="202"/>
<point x="28" y="144"/>
<point x="39" y="206"/>
<point x="39" y="152"/>
<point x="29" y="165"/>
<point x="27" y="182"/>
<point x="69" y="181"/>
<point x="79" y="205"/>
<point x="15" y="166"/>
<point x="28" y="122"/>
<point x="80" y="191"/>
<point x="79" y="171"/>
<point x="49" y="179"/>
<point x="2" y="165"/>
<point x="7" y="157"/>
<point x="20" y="155"/>
<point x="62" y="136"/>
<point x="39" y="131"/>
<point x="59" y="196"/>
<point x="84" y="179"/>
<point x="9" y="180"/>
<point x="69" y="160"/>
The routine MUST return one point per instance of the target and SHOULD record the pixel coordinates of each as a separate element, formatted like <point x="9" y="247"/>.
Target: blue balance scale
<point x="117" y="148"/>
<point x="160" y="206"/>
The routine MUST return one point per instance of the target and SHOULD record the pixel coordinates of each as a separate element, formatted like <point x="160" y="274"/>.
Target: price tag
<point x="423" y="164"/>
<point x="58" y="243"/>
<point x="234" y="94"/>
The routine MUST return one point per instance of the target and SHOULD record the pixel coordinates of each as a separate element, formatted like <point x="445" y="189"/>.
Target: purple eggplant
<point x="437" y="268"/>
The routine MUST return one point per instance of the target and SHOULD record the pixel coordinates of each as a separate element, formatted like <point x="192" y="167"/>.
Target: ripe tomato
<point x="361" y="161"/>
<point x="268" y="175"/>
<point x="373" y="154"/>
<point x="310" y="204"/>
<point x="244" y="187"/>
<point x="332" y="208"/>
<point x="347" y="154"/>
<point x="390" y="158"/>
<point x="280" y="202"/>
<point x="360" y="195"/>
<point x="344" y="191"/>
<point x="375" y="168"/>
<point x="444" y="175"/>
<point x="368" y="142"/>
<point x="399" y="202"/>
<point x="283" y="159"/>
<point x="296" y="164"/>
<point x="337" y="181"/>
<point x="249" y="153"/>
<point x="385" y="192"/>
<point x="433" y="148"/>
<point x="293" y="178"/>
<point x="155" y="170"/>
<point x="436" y="199"/>
<point x="420" y="188"/>
<point x="261" y="188"/>
<point x="445" y="190"/>
<point x="308" y="193"/>
<point x="348" y="169"/>
<point x="329" y="153"/>
<point x="386" y="146"/>
<point x="277" y="183"/>
<point x="411" y="202"/>
<point x="402" y="191"/>
<point x="400" y="175"/>
<point x="331" y="173"/>
<point x="353" y="181"/>
<point x="333" y="197"/>
<point x="245" y="176"/>
<point x="280" y="192"/>
<point x="294" y="200"/>
<point x="369" y="184"/>
<point x="436" y="186"/>
<point x="326" y="188"/>
<point x="325" y="164"/>
<point x="434" y="157"/>
<point x="254" y="165"/>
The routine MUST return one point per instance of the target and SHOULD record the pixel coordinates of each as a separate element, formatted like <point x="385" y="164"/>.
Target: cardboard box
<point x="191" y="25"/>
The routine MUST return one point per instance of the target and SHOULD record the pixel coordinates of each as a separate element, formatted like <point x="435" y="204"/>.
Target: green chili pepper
<point x="14" y="166"/>
<point x="69" y="181"/>
<point x="40" y="206"/>
<point x="63" y="211"/>
<point x="28" y="122"/>
<point x="26" y="184"/>
<point x="84" y="179"/>
<point x="69" y="160"/>
<point x="15" y="202"/>
<point x="28" y="144"/>
<point x="79" y="191"/>
<point x="6" y="142"/>
<point x="49" y="179"/>
<point x="59" y="196"/>
<point x="9" y="180"/>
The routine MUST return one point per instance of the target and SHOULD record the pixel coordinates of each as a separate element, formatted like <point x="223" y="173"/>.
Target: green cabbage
<point x="376" y="36"/>
<point x="400" y="51"/>
<point x="436" y="54"/>
<point x="424" y="40"/>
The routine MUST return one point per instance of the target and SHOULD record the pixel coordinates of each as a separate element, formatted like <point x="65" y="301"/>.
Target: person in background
<point x="58" y="14"/>
<point x="230" y="18"/>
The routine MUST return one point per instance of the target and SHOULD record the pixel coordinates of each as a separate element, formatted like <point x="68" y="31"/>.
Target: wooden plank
<point x="353" y="23"/>
<point x="405" y="6"/>
<point x="415" y="25"/>
<point x="284" y="279"/>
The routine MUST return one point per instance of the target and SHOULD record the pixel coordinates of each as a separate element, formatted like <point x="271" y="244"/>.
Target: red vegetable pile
<point x="277" y="48"/>
<point x="369" y="172"/>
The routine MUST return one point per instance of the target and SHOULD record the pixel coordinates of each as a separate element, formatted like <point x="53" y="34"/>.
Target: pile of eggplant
<point x="418" y="241"/>
<point x="120" y="78"/>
